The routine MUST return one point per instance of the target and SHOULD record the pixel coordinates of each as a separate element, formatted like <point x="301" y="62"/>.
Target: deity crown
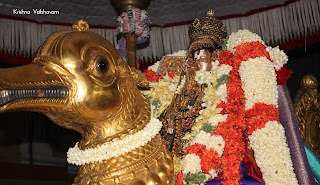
<point x="206" y="32"/>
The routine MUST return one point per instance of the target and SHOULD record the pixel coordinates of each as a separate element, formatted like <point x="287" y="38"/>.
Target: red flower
<point x="248" y="50"/>
<point x="226" y="58"/>
<point x="179" y="178"/>
<point x="210" y="160"/>
<point x="171" y="75"/>
<point x="153" y="77"/>
<point x="259" y="115"/>
<point x="197" y="149"/>
<point x="282" y="75"/>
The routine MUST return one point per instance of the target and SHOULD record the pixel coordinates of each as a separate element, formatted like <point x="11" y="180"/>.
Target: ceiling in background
<point x="101" y="12"/>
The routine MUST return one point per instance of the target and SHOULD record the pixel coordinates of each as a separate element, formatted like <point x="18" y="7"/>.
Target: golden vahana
<point x="80" y="82"/>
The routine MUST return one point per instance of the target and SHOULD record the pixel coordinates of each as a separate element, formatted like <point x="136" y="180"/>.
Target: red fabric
<point x="251" y="166"/>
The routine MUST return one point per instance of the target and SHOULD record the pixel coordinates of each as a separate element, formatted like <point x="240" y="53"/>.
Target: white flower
<point x="259" y="82"/>
<point x="154" y="67"/>
<point x="205" y="77"/>
<point x="211" y="141"/>
<point x="272" y="154"/>
<point x="181" y="53"/>
<point x="278" y="57"/>
<point x="241" y="36"/>
<point x="214" y="66"/>
<point x="213" y="174"/>
<point x="223" y="70"/>
<point x="180" y="87"/>
<point x="116" y="148"/>
<point x="216" y="119"/>
<point x="222" y="92"/>
<point x="192" y="164"/>
<point x="163" y="91"/>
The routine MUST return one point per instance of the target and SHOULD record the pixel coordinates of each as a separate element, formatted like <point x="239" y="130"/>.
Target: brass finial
<point x="81" y="25"/>
<point x="210" y="12"/>
<point x="309" y="81"/>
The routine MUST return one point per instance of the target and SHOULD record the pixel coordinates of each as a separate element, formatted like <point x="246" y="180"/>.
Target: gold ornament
<point x="206" y="32"/>
<point x="307" y="109"/>
<point x="80" y="82"/>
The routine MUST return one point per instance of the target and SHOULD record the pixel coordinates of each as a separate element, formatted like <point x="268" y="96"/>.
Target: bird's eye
<point x="102" y="64"/>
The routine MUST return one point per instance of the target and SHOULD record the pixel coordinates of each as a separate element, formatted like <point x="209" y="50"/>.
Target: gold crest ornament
<point x="80" y="82"/>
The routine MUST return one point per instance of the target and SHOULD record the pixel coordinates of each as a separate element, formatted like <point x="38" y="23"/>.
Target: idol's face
<point x="203" y="60"/>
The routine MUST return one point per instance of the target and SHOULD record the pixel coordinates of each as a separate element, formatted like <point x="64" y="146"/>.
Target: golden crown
<point x="207" y="31"/>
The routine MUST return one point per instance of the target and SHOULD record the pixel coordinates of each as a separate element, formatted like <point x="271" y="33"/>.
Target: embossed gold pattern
<point x="206" y="32"/>
<point x="170" y="64"/>
<point x="102" y="103"/>
<point x="307" y="109"/>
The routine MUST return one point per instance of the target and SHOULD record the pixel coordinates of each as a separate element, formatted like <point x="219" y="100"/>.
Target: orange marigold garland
<point x="233" y="128"/>
<point x="259" y="115"/>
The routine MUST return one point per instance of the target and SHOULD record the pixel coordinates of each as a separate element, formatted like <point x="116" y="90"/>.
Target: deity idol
<point x="220" y="109"/>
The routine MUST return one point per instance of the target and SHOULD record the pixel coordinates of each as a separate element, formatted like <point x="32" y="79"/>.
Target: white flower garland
<point x="162" y="92"/>
<point x="155" y="66"/>
<point x="116" y="148"/>
<point x="278" y="57"/>
<point x="209" y="114"/>
<point x="259" y="81"/>
<point x="221" y="70"/>
<point x="204" y="77"/>
<point x="216" y="119"/>
<point x="272" y="154"/>
<point x="241" y="36"/>
<point x="210" y="141"/>
<point x="192" y="164"/>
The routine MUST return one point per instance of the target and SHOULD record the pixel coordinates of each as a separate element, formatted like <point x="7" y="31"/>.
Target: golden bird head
<point x="79" y="80"/>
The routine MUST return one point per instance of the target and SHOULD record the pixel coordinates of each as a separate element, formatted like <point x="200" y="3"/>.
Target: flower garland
<point x="257" y="105"/>
<point x="258" y="81"/>
<point x="135" y="20"/>
<point x="162" y="91"/>
<point x="233" y="127"/>
<point x="202" y="143"/>
<point x="240" y="102"/>
<point x="162" y="87"/>
<point x="272" y="154"/>
<point x="116" y="148"/>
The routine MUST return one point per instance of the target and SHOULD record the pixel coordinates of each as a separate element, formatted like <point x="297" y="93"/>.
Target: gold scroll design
<point x="171" y="64"/>
<point x="307" y="109"/>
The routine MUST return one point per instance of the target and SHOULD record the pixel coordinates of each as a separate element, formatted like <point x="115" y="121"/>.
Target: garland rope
<point x="278" y="25"/>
